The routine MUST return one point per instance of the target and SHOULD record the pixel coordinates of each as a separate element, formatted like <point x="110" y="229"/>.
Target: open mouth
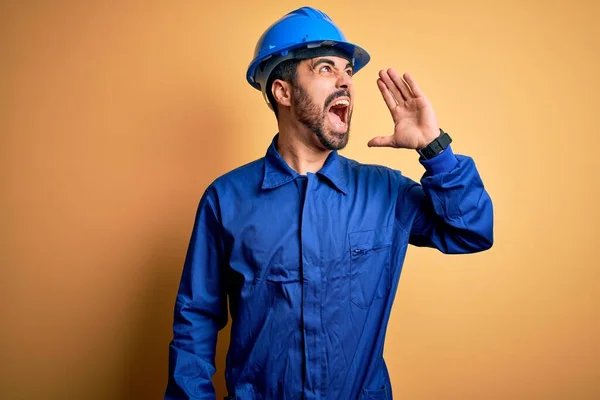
<point x="338" y="112"/>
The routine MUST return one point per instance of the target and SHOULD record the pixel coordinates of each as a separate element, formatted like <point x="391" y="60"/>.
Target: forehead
<point x="338" y="62"/>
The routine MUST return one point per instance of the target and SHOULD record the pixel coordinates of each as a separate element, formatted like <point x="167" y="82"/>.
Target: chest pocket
<point x="370" y="253"/>
<point x="379" y="394"/>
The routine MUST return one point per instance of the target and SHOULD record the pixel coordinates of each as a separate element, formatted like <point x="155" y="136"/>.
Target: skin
<point x="306" y="132"/>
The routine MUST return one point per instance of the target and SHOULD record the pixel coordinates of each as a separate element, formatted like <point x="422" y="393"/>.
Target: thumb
<point x="382" y="141"/>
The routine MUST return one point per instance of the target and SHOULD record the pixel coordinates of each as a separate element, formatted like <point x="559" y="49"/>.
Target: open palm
<point x="415" y="122"/>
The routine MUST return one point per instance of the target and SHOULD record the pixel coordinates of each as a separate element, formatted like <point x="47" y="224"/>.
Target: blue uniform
<point x="310" y="265"/>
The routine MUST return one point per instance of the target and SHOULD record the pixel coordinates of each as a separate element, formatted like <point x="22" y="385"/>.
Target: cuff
<point x="443" y="162"/>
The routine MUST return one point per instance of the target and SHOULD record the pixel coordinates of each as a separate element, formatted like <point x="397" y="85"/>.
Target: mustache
<point x="334" y="96"/>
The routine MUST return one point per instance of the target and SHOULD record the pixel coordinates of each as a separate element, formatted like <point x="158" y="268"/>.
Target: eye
<point x="325" y="68"/>
<point x="349" y="72"/>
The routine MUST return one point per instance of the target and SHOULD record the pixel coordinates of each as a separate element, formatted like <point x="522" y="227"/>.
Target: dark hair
<point x="286" y="71"/>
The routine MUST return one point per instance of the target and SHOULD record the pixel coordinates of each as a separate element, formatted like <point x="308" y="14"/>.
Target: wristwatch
<point x="436" y="147"/>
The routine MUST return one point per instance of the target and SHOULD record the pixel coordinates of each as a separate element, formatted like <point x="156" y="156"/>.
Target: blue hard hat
<point x="301" y="29"/>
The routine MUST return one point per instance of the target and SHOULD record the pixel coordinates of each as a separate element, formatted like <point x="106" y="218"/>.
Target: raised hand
<point x="415" y="122"/>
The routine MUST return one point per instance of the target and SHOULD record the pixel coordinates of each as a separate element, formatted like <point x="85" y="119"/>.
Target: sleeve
<point x="200" y="311"/>
<point x="454" y="211"/>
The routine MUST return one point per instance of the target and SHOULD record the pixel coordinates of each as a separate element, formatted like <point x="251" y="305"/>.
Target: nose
<point x="344" y="80"/>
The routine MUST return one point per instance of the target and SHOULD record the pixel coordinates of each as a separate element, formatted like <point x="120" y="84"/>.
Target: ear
<point x="282" y="92"/>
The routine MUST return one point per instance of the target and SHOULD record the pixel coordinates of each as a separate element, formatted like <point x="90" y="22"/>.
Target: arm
<point x="455" y="213"/>
<point x="200" y="311"/>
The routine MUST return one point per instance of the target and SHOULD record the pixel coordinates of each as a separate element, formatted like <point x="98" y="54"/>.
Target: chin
<point x="334" y="140"/>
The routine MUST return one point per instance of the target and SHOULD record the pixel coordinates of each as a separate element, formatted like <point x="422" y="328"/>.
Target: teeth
<point x="341" y="103"/>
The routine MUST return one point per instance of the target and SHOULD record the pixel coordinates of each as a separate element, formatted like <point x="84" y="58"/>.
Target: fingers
<point x="413" y="85"/>
<point x="391" y="86"/>
<point x="400" y="84"/>
<point x="389" y="99"/>
<point x="396" y="85"/>
<point x="402" y="87"/>
<point x="382" y="141"/>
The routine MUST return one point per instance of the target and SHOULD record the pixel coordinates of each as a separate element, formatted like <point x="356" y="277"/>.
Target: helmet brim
<point x="359" y="55"/>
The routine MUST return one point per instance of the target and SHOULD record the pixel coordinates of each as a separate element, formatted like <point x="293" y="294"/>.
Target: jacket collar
<point x="277" y="172"/>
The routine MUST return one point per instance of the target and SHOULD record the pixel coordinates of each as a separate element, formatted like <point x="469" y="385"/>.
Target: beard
<point x="313" y="117"/>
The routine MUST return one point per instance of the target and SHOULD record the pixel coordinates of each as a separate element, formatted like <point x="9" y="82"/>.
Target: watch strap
<point x="436" y="147"/>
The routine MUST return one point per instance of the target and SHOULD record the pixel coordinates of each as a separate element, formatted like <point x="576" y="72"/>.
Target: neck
<point x="300" y="148"/>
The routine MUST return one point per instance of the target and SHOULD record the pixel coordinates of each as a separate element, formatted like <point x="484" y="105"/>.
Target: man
<point x="308" y="245"/>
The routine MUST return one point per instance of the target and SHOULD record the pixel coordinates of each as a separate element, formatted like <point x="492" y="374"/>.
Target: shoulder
<point x="239" y="181"/>
<point x="356" y="169"/>
<point x="249" y="171"/>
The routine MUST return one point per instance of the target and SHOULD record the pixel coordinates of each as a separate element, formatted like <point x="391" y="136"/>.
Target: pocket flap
<point x="371" y="239"/>
<point x="377" y="394"/>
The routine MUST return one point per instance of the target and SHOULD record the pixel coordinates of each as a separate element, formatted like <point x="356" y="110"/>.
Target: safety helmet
<point x="291" y="36"/>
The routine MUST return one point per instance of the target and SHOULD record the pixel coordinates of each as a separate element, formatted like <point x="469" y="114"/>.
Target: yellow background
<point x="115" y="116"/>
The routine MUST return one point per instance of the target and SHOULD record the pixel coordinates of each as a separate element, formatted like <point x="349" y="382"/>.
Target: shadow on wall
<point x="201" y="159"/>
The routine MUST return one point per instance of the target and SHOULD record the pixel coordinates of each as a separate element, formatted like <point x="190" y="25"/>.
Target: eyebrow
<point x="330" y="62"/>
